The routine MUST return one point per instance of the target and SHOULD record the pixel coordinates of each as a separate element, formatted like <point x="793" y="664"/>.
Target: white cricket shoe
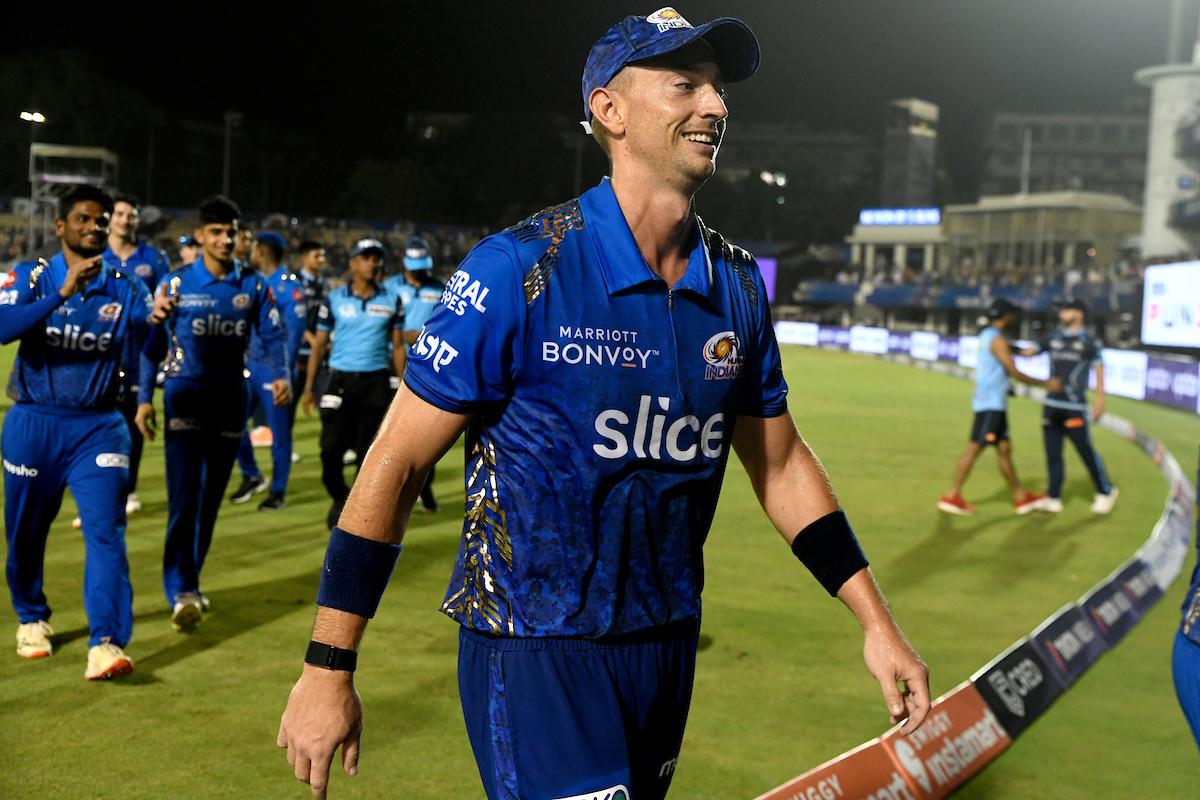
<point x="105" y="661"/>
<point x="187" y="613"/>
<point x="1103" y="503"/>
<point x="1051" y="505"/>
<point x="33" y="639"/>
<point x="132" y="504"/>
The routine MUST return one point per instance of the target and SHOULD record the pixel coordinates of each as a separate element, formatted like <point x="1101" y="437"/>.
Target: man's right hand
<point x="146" y="421"/>
<point x="1054" y="386"/>
<point x="307" y="401"/>
<point x="79" y="275"/>
<point x="323" y="712"/>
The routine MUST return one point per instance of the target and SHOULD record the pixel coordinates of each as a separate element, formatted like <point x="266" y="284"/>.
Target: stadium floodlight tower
<point x="1171" y="210"/>
<point x="53" y="169"/>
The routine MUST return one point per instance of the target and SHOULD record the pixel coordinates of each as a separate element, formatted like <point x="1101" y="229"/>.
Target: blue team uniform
<point x="289" y="299"/>
<point x="151" y="265"/>
<point x="603" y="406"/>
<point x="64" y="431"/>
<point x="1185" y="661"/>
<point x="359" y="391"/>
<point x="204" y="400"/>
<point x="1065" y="413"/>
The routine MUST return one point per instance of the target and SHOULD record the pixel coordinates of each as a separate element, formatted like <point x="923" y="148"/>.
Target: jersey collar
<point x="621" y="263"/>
<point x="205" y="277"/>
<point x="115" y="259"/>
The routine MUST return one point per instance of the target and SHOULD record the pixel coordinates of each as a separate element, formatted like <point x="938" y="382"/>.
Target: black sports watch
<point x="326" y="656"/>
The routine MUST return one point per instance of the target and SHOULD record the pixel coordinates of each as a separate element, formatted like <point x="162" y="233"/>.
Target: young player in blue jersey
<point x="421" y="294"/>
<point x="73" y="316"/>
<point x="220" y="303"/>
<point x="990" y="406"/>
<point x="130" y="255"/>
<point x="603" y="356"/>
<point x="1074" y="353"/>
<point x="364" y="320"/>
<point x="267" y="257"/>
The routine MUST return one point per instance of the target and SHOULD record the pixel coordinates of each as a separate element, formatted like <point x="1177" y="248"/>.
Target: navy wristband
<point x="356" y="572"/>
<point x="830" y="550"/>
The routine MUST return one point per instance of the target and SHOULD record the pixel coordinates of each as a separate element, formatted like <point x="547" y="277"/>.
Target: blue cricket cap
<point x="270" y="237"/>
<point x="368" y="246"/>
<point x="416" y="254"/>
<point x="634" y="39"/>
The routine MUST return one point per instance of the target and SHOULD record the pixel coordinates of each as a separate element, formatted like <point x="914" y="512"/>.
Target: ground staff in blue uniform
<point x="990" y="405"/>
<point x="267" y="257"/>
<point x="1074" y="353"/>
<point x="421" y="294"/>
<point x="365" y="320"/>
<point x="73" y="316"/>
<point x="131" y="256"/>
<point x="603" y="356"/>
<point x="219" y="304"/>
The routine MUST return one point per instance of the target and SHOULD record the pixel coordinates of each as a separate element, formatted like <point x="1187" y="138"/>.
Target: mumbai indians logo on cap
<point x="667" y="18"/>
<point x="722" y="357"/>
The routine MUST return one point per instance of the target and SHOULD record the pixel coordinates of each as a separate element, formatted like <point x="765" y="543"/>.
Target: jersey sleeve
<point x="1096" y="354"/>
<point x="325" y="318"/>
<point x="765" y="390"/>
<point x="468" y="353"/>
<point x="21" y="307"/>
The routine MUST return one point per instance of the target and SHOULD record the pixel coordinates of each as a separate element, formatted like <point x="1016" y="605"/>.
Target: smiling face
<point x="217" y="240"/>
<point x="84" y="231"/>
<point x="670" y="116"/>
<point x="125" y="218"/>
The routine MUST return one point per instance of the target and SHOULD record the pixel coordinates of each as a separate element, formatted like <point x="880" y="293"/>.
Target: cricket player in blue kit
<point x="602" y="356"/>
<point x="129" y="255"/>
<point x="421" y="294"/>
<point x="219" y="304"/>
<point x="73" y="316"/>
<point x="1185" y="660"/>
<point x="267" y="258"/>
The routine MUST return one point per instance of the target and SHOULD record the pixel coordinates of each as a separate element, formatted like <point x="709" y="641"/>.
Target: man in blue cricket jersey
<point x="312" y="279"/>
<point x="365" y="319"/>
<point x="990" y="406"/>
<point x="220" y="303"/>
<point x="1185" y="658"/>
<point x="1074" y="353"/>
<point x="130" y="255"/>
<point x="267" y="257"/>
<point x="421" y="294"/>
<point x="73" y="316"/>
<point x="602" y="356"/>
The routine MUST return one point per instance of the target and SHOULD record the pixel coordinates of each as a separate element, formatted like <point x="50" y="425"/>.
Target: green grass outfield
<point x="780" y="687"/>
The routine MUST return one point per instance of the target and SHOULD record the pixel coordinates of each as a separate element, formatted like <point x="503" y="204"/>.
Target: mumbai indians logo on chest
<point x="109" y="312"/>
<point x="722" y="357"/>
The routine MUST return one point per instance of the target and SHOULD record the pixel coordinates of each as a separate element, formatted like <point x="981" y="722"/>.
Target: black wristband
<point x="326" y="656"/>
<point x="830" y="550"/>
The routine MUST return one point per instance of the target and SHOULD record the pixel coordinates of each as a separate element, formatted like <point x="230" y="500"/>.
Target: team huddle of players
<point x="233" y="331"/>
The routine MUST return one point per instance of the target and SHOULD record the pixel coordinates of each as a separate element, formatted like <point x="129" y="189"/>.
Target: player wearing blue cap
<point x="73" y="316"/>
<point x="602" y="356"/>
<point x="421" y="294"/>
<point x="220" y="303"/>
<point x="1074" y="354"/>
<point x="364" y="320"/>
<point x="267" y="257"/>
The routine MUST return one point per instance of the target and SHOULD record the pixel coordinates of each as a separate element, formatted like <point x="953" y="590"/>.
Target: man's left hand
<point x="901" y="673"/>
<point x="1097" y="408"/>
<point x="281" y="392"/>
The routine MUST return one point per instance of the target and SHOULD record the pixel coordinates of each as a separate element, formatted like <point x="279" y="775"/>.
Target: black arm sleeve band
<point x="830" y="550"/>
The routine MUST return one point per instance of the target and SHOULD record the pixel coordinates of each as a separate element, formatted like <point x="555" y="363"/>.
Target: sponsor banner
<point x="1172" y="383"/>
<point x="807" y="334"/>
<point x="1017" y="686"/>
<point x="968" y="351"/>
<point x="959" y="738"/>
<point x="1124" y="373"/>
<point x="1068" y="643"/>
<point x="835" y="337"/>
<point x="865" y="771"/>
<point x="898" y="342"/>
<point x="1171" y="305"/>
<point x="869" y="340"/>
<point x="1113" y="611"/>
<point x="1165" y="557"/>
<point x="924" y="345"/>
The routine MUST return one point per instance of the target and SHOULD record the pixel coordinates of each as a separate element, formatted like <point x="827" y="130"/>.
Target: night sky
<point x="347" y="77"/>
